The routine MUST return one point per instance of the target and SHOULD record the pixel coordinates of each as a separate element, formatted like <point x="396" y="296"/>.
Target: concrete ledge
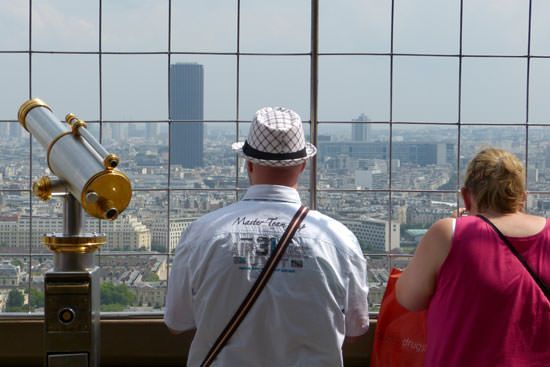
<point x="130" y="342"/>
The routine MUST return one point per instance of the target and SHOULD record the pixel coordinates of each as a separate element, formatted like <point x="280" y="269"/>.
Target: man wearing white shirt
<point x="317" y="294"/>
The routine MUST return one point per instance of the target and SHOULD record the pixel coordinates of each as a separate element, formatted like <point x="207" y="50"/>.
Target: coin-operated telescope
<point x="87" y="179"/>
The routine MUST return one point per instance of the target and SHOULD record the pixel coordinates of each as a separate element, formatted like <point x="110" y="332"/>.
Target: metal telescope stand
<point x="72" y="294"/>
<point x="87" y="178"/>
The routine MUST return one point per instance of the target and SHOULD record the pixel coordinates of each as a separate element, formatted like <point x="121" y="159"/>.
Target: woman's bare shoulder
<point x="520" y="224"/>
<point x="416" y="284"/>
<point x="440" y="233"/>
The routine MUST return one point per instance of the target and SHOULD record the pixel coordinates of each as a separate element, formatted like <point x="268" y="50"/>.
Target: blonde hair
<point x="496" y="178"/>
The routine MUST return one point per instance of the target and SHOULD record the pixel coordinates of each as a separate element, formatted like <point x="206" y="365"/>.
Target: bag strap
<point x="258" y="286"/>
<point x="535" y="277"/>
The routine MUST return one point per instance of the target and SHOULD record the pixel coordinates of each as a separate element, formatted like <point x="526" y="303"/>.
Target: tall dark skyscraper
<point x="187" y="104"/>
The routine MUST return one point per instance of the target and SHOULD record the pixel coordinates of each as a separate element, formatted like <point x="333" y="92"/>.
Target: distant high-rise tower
<point x="4" y="130"/>
<point x="15" y="131"/>
<point x="119" y="131"/>
<point x="187" y="104"/>
<point x="153" y="130"/>
<point x="360" y="130"/>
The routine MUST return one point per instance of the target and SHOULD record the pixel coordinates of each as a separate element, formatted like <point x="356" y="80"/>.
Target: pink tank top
<point x="487" y="310"/>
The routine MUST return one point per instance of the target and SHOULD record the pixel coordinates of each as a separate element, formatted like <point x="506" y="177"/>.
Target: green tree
<point x="36" y="298"/>
<point x="151" y="277"/>
<point x="116" y="297"/>
<point x="112" y="308"/>
<point x="15" y="301"/>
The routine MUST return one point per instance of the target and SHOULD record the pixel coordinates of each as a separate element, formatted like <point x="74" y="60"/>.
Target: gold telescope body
<point x="85" y="169"/>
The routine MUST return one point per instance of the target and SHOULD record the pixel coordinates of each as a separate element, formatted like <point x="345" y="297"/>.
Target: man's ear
<point x="249" y="166"/>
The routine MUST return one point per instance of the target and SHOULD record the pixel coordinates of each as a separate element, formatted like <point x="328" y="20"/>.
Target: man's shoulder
<point x="207" y="225"/>
<point x="218" y="215"/>
<point x="330" y="227"/>
<point x="335" y="233"/>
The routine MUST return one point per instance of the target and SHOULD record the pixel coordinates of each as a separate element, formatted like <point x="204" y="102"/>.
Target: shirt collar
<point x="272" y="193"/>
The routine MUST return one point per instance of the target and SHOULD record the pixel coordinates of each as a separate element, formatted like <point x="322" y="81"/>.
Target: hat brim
<point x="311" y="150"/>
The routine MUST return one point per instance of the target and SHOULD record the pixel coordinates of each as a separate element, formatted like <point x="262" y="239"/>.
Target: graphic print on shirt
<point x="251" y="251"/>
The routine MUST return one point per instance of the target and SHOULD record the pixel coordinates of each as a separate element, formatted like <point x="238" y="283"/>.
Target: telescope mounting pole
<point x="72" y="216"/>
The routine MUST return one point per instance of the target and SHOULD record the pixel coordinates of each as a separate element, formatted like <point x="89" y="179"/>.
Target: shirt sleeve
<point x="357" y="310"/>
<point x="178" y="313"/>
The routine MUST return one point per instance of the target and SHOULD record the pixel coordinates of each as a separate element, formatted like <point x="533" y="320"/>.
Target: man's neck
<point x="293" y="186"/>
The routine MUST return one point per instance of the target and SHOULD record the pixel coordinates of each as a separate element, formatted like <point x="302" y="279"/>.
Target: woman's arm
<point x="416" y="285"/>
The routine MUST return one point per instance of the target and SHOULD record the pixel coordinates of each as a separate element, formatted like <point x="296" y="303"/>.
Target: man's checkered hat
<point x="276" y="138"/>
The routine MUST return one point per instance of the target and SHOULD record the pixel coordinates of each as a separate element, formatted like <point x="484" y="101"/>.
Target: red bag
<point x="400" y="335"/>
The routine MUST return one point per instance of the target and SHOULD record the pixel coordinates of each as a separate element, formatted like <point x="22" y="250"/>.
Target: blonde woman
<point x="484" y="306"/>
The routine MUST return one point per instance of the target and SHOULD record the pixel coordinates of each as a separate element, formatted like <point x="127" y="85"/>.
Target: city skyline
<point x="408" y="91"/>
<point x="355" y="190"/>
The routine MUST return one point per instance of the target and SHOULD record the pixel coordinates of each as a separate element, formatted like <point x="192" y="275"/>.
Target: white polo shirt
<point x="316" y="296"/>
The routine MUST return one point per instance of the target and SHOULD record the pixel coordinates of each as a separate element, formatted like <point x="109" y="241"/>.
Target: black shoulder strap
<point x="535" y="277"/>
<point x="256" y="289"/>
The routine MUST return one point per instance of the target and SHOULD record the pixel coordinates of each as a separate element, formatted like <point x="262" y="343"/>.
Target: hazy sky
<point x="135" y="87"/>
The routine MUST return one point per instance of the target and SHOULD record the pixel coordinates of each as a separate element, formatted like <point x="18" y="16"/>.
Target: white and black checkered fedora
<point x="276" y="138"/>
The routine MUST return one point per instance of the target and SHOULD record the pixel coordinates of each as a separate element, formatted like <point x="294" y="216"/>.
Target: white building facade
<point x="375" y="234"/>
<point x="125" y="233"/>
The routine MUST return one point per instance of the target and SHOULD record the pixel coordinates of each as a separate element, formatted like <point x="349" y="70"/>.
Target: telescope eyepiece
<point x="111" y="214"/>
<point x="111" y="161"/>
<point x="108" y="208"/>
